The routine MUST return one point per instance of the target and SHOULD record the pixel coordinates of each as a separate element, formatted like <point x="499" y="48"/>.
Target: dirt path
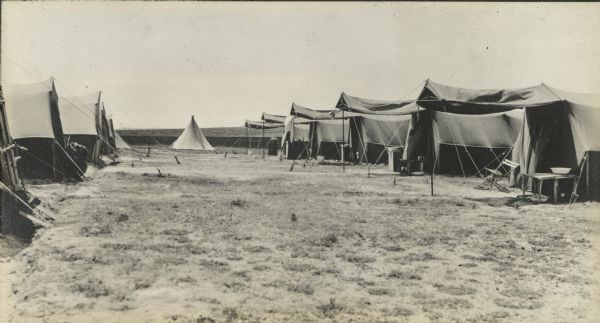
<point x="242" y="239"/>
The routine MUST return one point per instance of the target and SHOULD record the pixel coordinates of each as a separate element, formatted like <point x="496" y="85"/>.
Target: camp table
<point x="541" y="177"/>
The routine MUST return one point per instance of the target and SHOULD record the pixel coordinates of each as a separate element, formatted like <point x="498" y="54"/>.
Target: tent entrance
<point x="468" y="160"/>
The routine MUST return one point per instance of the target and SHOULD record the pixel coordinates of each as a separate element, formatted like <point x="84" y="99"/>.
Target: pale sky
<point x="158" y="63"/>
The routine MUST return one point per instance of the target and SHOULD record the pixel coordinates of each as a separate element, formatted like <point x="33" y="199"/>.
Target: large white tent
<point x="192" y="138"/>
<point x="29" y="110"/>
<point x="79" y="115"/>
<point x="35" y="124"/>
<point x="80" y="120"/>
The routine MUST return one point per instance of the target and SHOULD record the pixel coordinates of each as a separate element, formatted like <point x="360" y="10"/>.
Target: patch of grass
<point x="298" y="267"/>
<point x="331" y="308"/>
<point x="278" y="283"/>
<point x="257" y="249"/>
<point x="393" y="248"/>
<point x="213" y="263"/>
<point x="327" y="270"/>
<point x="403" y="275"/>
<point x="301" y="288"/>
<point x="175" y="232"/>
<point x="414" y="257"/>
<point x="184" y="279"/>
<point x="328" y="241"/>
<point x="239" y="203"/>
<point x="449" y="303"/>
<point x="398" y="311"/>
<point x="518" y="303"/>
<point x="365" y="283"/>
<point x="95" y="230"/>
<point x="170" y="261"/>
<point x="520" y="293"/>
<point x="261" y="268"/>
<point x="455" y="290"/>
<point x="491" y="317"/>
<point x="357" y="259"/>
<point x="92" y="288"/>
<point x="380" y="291"/>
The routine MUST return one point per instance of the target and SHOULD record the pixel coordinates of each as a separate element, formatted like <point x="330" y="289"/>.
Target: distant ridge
<point x="208" y="132"/>
<point x="217" y="136"/>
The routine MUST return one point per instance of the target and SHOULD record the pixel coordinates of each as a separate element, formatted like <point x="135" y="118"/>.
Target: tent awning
<point x="451" y="99"/>
<point x="273" y="118"/>
<point x="263" y="125"/>
<point x="370" y="106"/>
<point x="300" y="111"/>
<point x="495" y="130"/>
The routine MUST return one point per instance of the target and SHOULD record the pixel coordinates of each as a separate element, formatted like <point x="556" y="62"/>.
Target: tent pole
<point x="247" y="143"/>
<point x="53" y="161"/>
<point x="343" y="144"/>
<point x="432" y="144"/>
<point x="587" y="175"/>
<point x="262" y="139"/>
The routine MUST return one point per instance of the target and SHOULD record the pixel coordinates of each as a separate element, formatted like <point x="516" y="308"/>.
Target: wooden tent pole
<point x="247" y="142"/>
<point x="343" y="143"/>
<point x="262" y="139"/>
<point x="587" y="175"/>
<point x="53" y="161"/>
<point x="433" y="158"/>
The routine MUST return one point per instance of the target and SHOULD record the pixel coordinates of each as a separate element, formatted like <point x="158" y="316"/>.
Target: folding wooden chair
<point x="494" y="176"/>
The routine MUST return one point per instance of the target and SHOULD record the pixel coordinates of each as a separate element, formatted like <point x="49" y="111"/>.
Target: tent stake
<point x="177" y="160"/>
<point x="432" y="182"/>
<point x="148" y="152"/>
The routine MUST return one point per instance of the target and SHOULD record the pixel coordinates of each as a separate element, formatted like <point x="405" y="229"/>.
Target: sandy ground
<point x="214" y="240"/>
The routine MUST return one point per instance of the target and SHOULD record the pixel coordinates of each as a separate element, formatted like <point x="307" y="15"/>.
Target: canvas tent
<point x="370" y="135"/>
<point x="327" y="138"/>
<point x="376" y="125"/>
<point x="272" y="143"/>
<point x="80" y="120"/>
<point x="13" y="193"/>
<point x="296" y="138"/>
<point x="562" y="134"/>
<point x="192" y="138"/>
<point x="463" y="130"/>
<point x="325" y="135"/>
<point x="35" y="123"/>
<point x="558" y="128"/>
